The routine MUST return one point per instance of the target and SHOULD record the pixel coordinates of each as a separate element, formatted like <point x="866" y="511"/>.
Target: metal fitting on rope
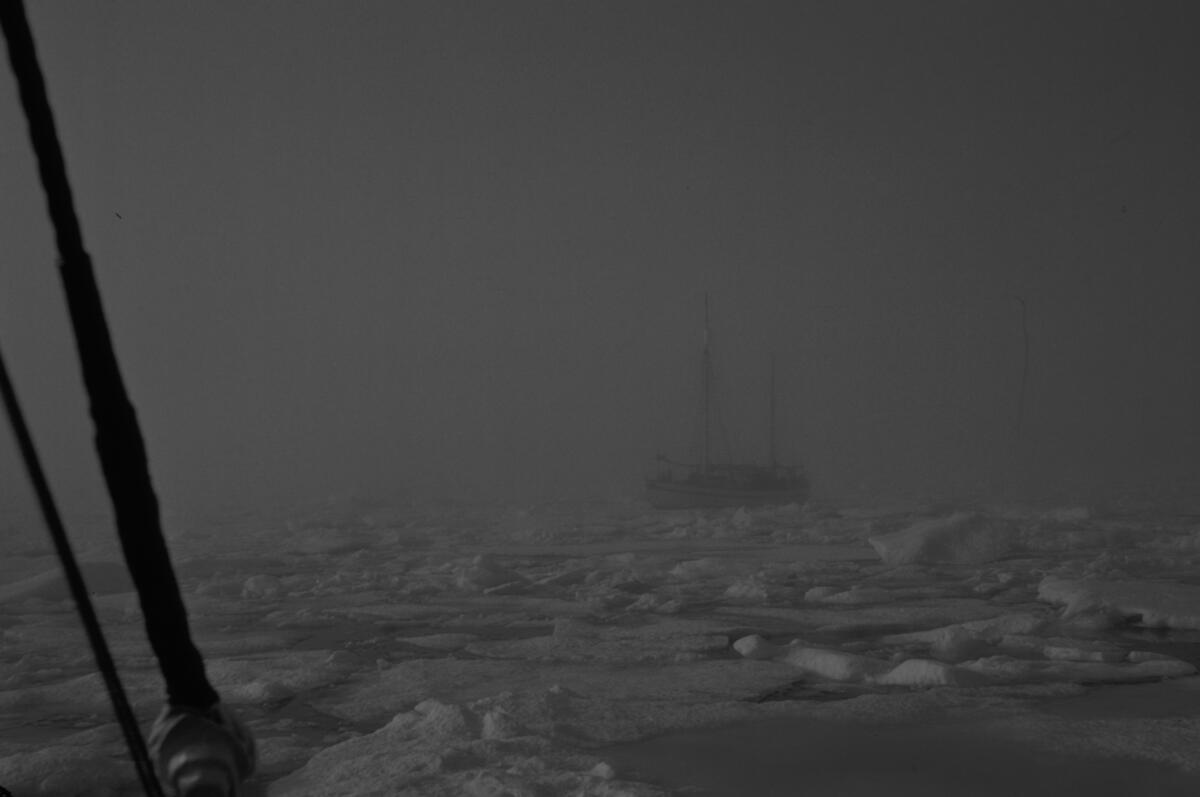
<point x="201" y="753"/>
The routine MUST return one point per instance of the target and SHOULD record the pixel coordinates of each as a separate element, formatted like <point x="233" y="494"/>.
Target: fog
<point x="464" y="247"/>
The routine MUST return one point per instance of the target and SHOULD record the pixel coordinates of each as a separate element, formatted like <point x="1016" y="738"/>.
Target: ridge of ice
<point x="961" y="538"/>
<point x="1155" y="604"/>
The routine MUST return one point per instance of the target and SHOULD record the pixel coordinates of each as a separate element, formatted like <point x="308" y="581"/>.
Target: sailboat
<point x="707" y="483"/>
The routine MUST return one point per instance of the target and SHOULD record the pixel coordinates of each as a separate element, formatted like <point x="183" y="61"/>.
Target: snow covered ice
<point x="490" y="650"/>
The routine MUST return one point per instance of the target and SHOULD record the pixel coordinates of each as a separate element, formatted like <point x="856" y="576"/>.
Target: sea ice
<point x="956" y="643"/>
<point x="693" y="569"/>
<point x="263" y="678"/>
<point x="329" y="540"/>
<point x="1062" y="649"/>
<point x="477" y="654"/>
<point x="859" y="595"/>
<point x="986" y="631"/>
<point x="262" y="586"/>
<point x="750" y="588"/>
<point x="1151" y="669"/>
<point x="820" y="593"/>
<point x="832" y="665"/>
<point x="962" y="538"/>
<point x="993" y="628"/>
<point x="64" y="770"/>
<point x="924" y="673"/>
<point x="484" y="573"/>
<point x="442" y="641"/>
<point x="1069" y="514"/>
<point x="840" y="666"/>
<point x="101" y="578"/>
<point x="651" y="688"/>
<point x="755" y="647"/>
<point x="1155" y="604"/>
<point x="446" y="749"/>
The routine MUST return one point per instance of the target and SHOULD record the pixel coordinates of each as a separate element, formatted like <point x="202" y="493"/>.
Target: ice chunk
<point x="438" y="719"/>
<point x="747" y="589"/>
<point x="832" y="665"/>
<point x="499" y="724"/>
<point x="698" y="568"/>
<point x="741" y="519"/>
<point x="268" y="678"/>
<point x="962" y="538"/>
<point x="484" y="572"/>
<point x="396" y="755"/>
<point x="928" y="673"/>
<point x="603" y="771"/>
<point x="755" y="647"/>
<point x="1156" y="604"/>
<point x="816" y="594"/>
<point x="956" y="643"/>
<point x="261" y="586"/>
<point x="860" y="595"/>
<point x="1061" y="649"/>
<point x="670" y="606"/>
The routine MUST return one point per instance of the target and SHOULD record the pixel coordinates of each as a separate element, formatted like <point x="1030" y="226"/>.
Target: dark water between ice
<point x="817" y="758"/>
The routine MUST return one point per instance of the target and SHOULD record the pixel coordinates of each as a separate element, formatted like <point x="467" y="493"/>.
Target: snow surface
<point x="446" y="650"/>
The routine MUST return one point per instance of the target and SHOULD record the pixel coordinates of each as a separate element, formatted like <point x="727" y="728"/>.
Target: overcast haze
<point x="343" y="246"/>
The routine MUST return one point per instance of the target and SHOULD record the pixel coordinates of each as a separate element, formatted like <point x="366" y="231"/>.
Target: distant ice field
<point x="606" y="648"/>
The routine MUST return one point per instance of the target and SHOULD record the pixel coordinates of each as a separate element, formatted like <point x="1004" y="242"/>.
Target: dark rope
<point x="87" y="613"/>
<point x="118" y="438"/>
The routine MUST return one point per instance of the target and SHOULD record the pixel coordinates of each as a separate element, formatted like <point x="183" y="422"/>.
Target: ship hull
<point x="682" y="495"/>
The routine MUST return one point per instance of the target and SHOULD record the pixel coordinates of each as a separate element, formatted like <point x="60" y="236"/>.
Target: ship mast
<point x="771" y="429"/>
<point x="707" y="384"/>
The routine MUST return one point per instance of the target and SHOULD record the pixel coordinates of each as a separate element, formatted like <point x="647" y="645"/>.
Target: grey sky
<point x="362" y="242"/>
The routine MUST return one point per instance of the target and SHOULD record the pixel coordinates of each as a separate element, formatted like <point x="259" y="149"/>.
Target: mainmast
<point x="771" y="429"/>
<point x="707" y="386"/>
